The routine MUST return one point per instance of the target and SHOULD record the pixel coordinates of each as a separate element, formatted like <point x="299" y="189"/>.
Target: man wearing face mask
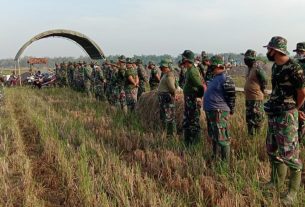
<point x="287" y="96"/>
<point x="254" y="91"/>
<point x="300" y="56"/>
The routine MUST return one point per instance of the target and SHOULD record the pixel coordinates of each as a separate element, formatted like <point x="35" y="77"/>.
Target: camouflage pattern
<point x="208" y="75"/>
<point x="114" y="89"/>
<point x="120" y="81"/>
<point x="87" y="70"/>
<point x="286" y="79"/>
<point x="181" y="81"/>
<point x="217" y="60"/>
<point x="191" y="117"/>
<point x="250" y="54"/>
<point x="62" y="75"/>
<point x="301" y="130"/>
<point x="153" y="81"/>
<point x="279" y="44"/>
<point x="254" y="115"/>
<point x="217" y="123"/>
<point x="108" y="74"/>
<point x="142" y="79"/>
<point x="70" y="74"/>
<point x="282" y="139"/>
<point x="131" y="90"/>
<point x="300" y="47"/>
<point x="99" y="81"/>
<point x="167" y="111"/>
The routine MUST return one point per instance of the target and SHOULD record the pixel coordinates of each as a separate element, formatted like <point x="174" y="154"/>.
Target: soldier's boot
<point x="278" y="176"/>
<point x="171" y="129"/>
<point x="225" y="153"/>
<point x="294" y="185"/>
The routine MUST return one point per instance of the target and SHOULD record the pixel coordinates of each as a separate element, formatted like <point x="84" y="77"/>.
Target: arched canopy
<point x="93" y="50"/>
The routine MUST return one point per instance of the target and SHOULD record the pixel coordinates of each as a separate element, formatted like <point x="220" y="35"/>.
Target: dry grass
<point x="95" y="155"/>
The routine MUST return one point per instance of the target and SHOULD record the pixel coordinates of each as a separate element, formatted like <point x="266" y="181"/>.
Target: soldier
<point x="99" y="81"/>
<point x="300" y="56"/>
<point x="70" y="74"/>
<point x="63" y="75"/>
<point x="131" y="85"/>
<point x="142" y="77"/>
<point x="193" y="92"/>
<point x="167" y="93"/>
<point x="114" y="88"/>
<point x="254" y="91"/>
<point x="121" y="81"/>
<point x="287" y="97"/>
<point x="181" y="74"/>
<point x="87" y="78"/>
<point x="154" y="79"/>
<point x="219" y="102"/>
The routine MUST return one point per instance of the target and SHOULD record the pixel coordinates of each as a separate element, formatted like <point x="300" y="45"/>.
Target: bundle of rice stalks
<point x="148" y="110"/>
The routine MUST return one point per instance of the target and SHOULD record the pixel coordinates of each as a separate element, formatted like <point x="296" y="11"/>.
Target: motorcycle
<point x="44" y="80"/>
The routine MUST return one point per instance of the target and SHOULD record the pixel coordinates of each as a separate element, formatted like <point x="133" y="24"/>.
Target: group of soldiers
<point x="206" y="85"/>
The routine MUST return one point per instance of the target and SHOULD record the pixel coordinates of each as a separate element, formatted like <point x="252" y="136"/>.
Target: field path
<point x="51" y="188"/>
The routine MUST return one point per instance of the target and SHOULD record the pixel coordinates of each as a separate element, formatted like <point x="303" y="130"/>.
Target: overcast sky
<point x="150" y="27"/>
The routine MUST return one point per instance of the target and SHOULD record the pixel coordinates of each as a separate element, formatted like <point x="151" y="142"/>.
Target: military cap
<point x="122" y="59"/>
<point x="279" y="44"/>
<point x="165" y="63"/>
<point x="250" y="54"/>
<point x="151" y="63"/>
<point x="217" y="60"/>
<point x="188" y="55"/>
<point x="300" y="47"/>
<point x="139" y="61"/>
<point x="129" y="61"/>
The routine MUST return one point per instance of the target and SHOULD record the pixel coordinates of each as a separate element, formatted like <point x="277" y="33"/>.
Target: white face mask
<point x="300" y="56"/>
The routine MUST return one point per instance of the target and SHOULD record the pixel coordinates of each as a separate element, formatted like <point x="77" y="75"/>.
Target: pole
<point x="18" y="64"/>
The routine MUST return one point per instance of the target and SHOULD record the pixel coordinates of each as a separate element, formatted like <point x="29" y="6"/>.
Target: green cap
<point x="151" y="63"/>
<point x="129" y="61"/>
<point x="250" y="54"/>
<point x="300" y="47"/>
<point x="217" y="60"/>
<point x="279" y="44"/>
<point x="139" y="61"/>
<point x="165" y="63"/>
<point x="122" y="59"/>
<point x="188" y="55"/>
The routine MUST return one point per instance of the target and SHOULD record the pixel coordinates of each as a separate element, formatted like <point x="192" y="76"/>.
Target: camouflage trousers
<point x="167" y="108"/>
<point x="191" y="114"/>
<point x="99" y="92"/>
<point x="254" y="115"/>
<point x="282" y="139"/>
<point x="62" y="81"/>
<point x="87" y="85"/>
<point x="141" y="89"/>
<point x="217" y="124"/>
<point x="131" y="98"/>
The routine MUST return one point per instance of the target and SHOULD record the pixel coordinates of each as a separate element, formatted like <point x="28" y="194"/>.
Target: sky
<point x="136" y="27"/>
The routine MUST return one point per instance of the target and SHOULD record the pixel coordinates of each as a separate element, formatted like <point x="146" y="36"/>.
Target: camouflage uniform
<point x="131" y="90"/>
<point x="192" y="90"/>
<point x="282" y="139"/>
<point x="142" y="77"/>
<point x="114" y="88"/>
<point x="108" y="74"/>
<point x="70" y="74"/>
<point x="62" y="75"/>
<point x="99" y="81"/>
<point x="182" y="77"/>
<point x="166" y="95"/>
<point x="254" y="91"/>
<point x="87" y="70"/>
<point x="301" y="61"/>
<point x="153" y="80"/>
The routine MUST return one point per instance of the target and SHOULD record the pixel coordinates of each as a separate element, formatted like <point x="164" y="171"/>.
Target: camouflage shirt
<point x="286" y="79"/>
<point x="130" y="72"/>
